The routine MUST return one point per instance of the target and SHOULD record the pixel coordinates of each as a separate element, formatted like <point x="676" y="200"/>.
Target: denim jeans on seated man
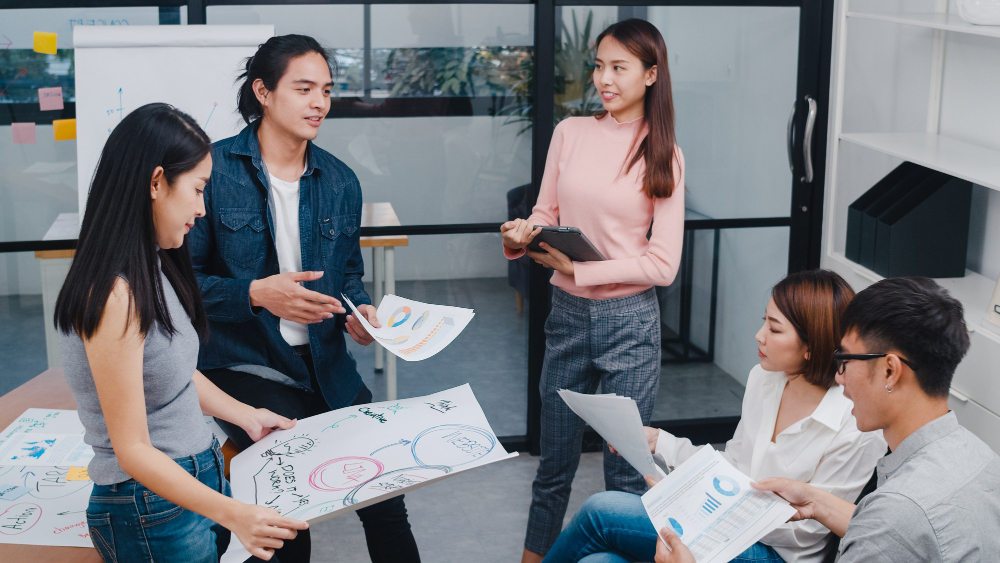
<point x="613" y="527"/>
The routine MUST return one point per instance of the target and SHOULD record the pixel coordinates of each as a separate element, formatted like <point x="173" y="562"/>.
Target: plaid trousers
<point x="614" y="342"/>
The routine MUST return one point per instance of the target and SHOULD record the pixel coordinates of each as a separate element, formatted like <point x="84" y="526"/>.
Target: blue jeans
<point x="129" y="523"/>
<point x="612" y="527"/>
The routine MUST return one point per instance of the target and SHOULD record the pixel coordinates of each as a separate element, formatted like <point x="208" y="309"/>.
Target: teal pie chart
<point x="726" y="486"/>
<point x="676" y="526"/>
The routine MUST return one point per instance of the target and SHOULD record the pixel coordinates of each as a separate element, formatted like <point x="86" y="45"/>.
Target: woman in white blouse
<point x="796" y="423"/>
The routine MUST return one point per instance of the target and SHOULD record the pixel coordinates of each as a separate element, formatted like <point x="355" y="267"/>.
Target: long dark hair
<point x="118" y="237"/>
<point x="813" y="301"/>
<point x="269" y="64"/>
<point x="643" y="40"/>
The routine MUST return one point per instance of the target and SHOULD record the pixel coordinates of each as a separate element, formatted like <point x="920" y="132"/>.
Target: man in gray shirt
<point x="938" y="494"/>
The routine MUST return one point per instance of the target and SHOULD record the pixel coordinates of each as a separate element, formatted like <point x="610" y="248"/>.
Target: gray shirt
<point x="938" y="499"/>
<point x="173" y="414"/>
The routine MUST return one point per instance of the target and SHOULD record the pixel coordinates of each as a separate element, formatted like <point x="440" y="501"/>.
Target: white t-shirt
<point x="285" y="196"/>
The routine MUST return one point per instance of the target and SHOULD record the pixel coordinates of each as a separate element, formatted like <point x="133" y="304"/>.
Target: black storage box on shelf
<point x="861" y="232"/>
<point x="926" y="233"/>
<point x="913" y="222"/>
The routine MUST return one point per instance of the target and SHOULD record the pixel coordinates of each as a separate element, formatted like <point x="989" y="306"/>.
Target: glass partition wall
<point x="445" y="110"/>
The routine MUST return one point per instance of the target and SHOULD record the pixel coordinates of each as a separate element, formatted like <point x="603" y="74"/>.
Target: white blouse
<point x="824" y="449"/>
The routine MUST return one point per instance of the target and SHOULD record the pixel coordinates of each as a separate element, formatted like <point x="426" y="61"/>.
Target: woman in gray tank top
<point x="131" y="319"/>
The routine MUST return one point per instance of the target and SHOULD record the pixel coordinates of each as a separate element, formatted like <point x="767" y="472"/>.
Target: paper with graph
<point x="352" y="457"/>
<point x="45" y="437"/>
<point x="413" y="330"/>
<point x="712" y="507"/>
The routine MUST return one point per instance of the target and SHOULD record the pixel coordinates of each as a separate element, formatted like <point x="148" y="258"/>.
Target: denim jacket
<point x="234" y="245"/>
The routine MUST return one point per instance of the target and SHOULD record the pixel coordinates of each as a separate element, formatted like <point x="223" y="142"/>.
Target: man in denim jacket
<point x="279" y="243"/>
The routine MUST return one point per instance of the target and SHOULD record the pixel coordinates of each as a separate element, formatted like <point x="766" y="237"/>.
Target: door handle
<point x="791" y="139"/>
<point x="807" y="141"/>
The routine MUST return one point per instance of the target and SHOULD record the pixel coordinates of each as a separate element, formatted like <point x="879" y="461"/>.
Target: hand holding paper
<point x="617" y="420"/>
<point x="713" y="507"/>
<point x="413" y="330"/>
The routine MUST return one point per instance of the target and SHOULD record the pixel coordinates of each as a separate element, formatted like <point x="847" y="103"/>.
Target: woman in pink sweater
<point x="613" y="176"/>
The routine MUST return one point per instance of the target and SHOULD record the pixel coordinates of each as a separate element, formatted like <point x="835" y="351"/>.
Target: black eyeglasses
<point x="840" y="359"/>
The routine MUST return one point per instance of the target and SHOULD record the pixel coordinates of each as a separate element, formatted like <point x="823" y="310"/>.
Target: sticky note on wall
<point x="45" y="42"/>
<point x="64" y="129"/>
<point x="50" y="98"/>
<point x="24" y="133"/>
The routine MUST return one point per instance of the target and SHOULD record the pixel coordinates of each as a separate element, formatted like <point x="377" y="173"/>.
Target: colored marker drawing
<point x="372" y="452"/>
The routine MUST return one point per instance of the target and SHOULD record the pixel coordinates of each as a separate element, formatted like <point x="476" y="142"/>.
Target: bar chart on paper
<point x="713" y="508"/>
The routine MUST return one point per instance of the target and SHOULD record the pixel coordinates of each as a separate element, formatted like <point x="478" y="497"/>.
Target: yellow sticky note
<point x="45" y="42"/>
<point x="77" y="474"/>
<point x="64" y="129"/>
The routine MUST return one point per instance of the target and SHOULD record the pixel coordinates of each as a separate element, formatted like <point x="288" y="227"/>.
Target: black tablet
<point x="568" y="240"/>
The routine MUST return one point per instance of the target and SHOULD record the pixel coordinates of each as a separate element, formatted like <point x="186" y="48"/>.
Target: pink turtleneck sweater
<point x="584" y="187"/>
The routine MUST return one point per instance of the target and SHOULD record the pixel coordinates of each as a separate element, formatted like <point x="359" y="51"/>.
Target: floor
<point x="479" y="515"/>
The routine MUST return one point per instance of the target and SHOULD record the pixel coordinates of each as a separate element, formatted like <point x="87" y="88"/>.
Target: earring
<point x="887" y="390"/>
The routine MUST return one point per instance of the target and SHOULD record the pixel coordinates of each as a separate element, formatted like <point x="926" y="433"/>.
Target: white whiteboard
<point x="192" y="67"/>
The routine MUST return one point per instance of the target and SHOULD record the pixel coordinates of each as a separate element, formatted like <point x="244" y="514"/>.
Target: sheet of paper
<point x="24" y="133"/>
<point x="45" y="437"/>
<point x="413" y="330"/>
<point x="50" y="98"/>
<point x="46" y="421"/>
<point x="45" y="42"/>
<point x="617" y="420"/>
<point x="41" y="506"/>
<point x="220" y="435"/>
<point x="45" y="449"/>
<point x="352" y="457"/>
<point x="713" y="508"/>
<point x="64" y="129"/>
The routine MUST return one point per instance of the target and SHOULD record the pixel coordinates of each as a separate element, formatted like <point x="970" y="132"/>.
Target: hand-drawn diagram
<point x="120" y="110"/>
<point x="214" y="105"/>
<point x="435" y="327"/>
<point x="39" y="506"/>
<point x="353" y="457"/>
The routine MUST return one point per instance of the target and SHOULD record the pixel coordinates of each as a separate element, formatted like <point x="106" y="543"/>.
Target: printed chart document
<point x="712" y="507"/>
<point x="45" y="437"/>
<point x="347" y="459"/>
<point x="617" y="420"/>
<point x="413" y="330"/>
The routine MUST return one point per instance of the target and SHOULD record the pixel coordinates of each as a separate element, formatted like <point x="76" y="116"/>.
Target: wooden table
<point x="55" y="265"/>
<point x="50" y="391"/>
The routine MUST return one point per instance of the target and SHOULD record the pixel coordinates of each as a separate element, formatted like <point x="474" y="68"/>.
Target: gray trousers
<point x="614" y="342"/>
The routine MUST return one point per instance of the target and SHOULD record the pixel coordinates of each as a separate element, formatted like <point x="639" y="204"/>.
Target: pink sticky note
<point x="50" y="98"/>
<point x="24" y="133"/>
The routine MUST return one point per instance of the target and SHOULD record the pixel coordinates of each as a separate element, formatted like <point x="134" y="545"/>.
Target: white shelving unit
<point x="976" y="387"/>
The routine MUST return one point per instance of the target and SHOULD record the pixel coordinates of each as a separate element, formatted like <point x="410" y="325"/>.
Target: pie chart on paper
<point x="399" y="316"/>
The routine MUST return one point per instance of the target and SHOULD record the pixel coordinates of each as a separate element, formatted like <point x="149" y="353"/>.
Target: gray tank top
<point x="173" y="415"/>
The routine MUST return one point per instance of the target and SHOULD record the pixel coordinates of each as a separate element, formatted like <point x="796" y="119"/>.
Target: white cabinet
<point x="912" y="81"/>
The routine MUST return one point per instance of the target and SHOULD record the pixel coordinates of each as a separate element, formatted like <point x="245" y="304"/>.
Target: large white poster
<point x="352" y="457"/>
<point x="41" y="506"/>
<point x="192" y="67"/>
